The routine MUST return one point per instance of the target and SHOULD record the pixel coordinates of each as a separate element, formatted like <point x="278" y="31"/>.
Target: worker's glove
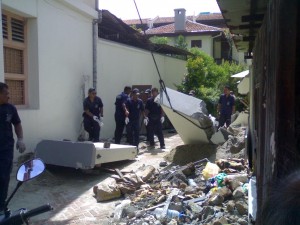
<point x="20" y="145"/>
<point x="146" y="121"/>
<point x="162" y="119"/>
<point x="95" y="118"/>
<point x="126" y="120"/>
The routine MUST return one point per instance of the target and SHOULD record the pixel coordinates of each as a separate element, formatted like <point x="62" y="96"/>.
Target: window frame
<point x="196" y="45"/>
<point x="9" y="43"/>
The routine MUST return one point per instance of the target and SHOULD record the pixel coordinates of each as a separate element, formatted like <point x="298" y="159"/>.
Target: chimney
<point x="180" y="20"/>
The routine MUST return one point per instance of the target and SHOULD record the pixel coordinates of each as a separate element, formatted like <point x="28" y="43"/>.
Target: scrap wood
<point x="119" y="173"/>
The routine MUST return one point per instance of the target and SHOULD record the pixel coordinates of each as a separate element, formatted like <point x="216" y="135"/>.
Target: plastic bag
<point x="210" y="170"/>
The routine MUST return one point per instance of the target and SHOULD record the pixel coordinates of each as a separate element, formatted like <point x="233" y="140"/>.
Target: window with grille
<point x="14" y="51"/>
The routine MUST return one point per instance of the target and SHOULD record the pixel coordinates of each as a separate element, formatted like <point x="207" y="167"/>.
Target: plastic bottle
<point x="170" y="213"/>
<point x="192" y="183"/>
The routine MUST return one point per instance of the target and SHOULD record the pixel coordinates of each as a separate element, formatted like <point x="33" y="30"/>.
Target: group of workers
<point x="128" y="110"/>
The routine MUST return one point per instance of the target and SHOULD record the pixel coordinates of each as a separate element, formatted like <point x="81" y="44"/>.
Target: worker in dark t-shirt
<point x="120" y="113"/>
<point x="226" y="107"/>
<point x="134" y="108"/>
<point x="93" y="115"/>
<point x="154" y="119"/>
<point x="8" y="117"/>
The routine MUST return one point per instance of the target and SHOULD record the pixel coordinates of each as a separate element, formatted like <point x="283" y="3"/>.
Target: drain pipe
<point x="95" y="40"/>
<point x="213" y="41"/>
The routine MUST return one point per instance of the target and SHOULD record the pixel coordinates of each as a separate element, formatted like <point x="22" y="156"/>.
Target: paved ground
<point x="70" y="192"/>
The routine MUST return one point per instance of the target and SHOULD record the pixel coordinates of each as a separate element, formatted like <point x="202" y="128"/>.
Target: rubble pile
<point x="201" y="192"/>
<point x="196" y="193"/>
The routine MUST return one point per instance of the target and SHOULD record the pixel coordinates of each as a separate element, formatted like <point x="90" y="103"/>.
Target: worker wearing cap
<point x="226" y="107"/>
<point x="134" y="108"/>
<point x="120" y="113"/>
<point x="93" y="115"/>
<point x="154" y="119"/>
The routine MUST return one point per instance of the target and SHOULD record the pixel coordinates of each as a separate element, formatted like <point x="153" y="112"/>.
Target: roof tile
<point x="190" y="27"/>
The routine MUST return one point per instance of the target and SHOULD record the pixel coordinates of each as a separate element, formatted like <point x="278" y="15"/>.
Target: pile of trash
<point x="197" y="193"/>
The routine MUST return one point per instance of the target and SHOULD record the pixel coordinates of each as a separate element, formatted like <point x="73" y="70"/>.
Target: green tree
<point x="180" y="42"/>
<point x="159" y="40"/>
<point x="207" y="78"/>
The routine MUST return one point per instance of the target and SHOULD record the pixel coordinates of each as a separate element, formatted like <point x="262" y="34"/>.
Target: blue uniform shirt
<point x="120" y="100"/>
<point x="134" y="108"/>
<point x="227" y="104"/>
<point x="8" y="116"/>
<point x="93" y="107"/>
<point x="154" y="109"/>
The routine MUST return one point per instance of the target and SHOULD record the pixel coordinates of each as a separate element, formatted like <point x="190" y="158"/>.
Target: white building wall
<point x="59" y="54"/>
<point x="238" y="56"/>
<point x="119" y="65"/>
<point x="207" y="43"/>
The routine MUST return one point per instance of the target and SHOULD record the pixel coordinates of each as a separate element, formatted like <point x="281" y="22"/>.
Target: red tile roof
<point x="211" y="16"/>
<point x="190" y="27"/>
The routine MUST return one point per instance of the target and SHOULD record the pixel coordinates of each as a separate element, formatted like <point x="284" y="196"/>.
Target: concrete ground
<point x="70" y="191"/>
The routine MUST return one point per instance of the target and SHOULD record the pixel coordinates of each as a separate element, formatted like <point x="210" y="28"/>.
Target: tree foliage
<point x="180" y="42"/>
<point x="207" y="78"/>
<point x="159" y="40"/>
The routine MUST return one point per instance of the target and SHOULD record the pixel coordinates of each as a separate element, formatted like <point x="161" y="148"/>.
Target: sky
<point x="125" y="9"/>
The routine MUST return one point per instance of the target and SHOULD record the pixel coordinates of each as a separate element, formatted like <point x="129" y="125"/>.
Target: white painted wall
<point x="59" y="54"/>
<point x="119" y="65"/>
<point x="207" y="42"/>
<point x="238" y="56"/>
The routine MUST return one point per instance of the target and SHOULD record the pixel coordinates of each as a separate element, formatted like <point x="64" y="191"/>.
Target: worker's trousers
<point x="133" y="132"/>
<point x="155" y="128"/>
<point x="120" y="125"/>
<point x="5" y="170"/>
<point x="93" y="128"/>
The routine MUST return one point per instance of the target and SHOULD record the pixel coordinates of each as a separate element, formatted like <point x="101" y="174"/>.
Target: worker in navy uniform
<point x="226" y="107"/>
<point x="154" y="117"/>
<point x="93" y="115"/>
<point x="120" y="113"/>
<point x="8" y="117"/>
<point x="134" y="108"/>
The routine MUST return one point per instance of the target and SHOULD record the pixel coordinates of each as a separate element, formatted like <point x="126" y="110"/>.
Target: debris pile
<point x="197" y="193"/>
<point x="202" y="192"/>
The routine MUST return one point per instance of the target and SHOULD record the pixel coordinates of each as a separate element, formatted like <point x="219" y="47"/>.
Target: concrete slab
<point x="188" y="116"/>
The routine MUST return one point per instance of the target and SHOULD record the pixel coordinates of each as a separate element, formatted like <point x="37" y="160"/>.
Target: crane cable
<point x="161" y="82"/>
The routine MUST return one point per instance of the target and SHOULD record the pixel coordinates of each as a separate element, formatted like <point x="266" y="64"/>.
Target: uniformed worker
<point x="120" y="113"/>
<point x="93" y="115"/>
<point x="226" y="107"/>
<point x="134" y="108"/>
<point x="154" y="119"/>
<point x="8" y="117"/>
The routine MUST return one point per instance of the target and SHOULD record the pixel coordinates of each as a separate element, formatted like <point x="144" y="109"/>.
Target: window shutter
<point x="4" y="27"/>
<point x="17" y="29"/>
<point x="13" y="60"/>
<point x="16" y="91"/>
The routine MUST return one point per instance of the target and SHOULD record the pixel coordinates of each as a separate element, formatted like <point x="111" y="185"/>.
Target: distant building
<point x="206" y="31"/>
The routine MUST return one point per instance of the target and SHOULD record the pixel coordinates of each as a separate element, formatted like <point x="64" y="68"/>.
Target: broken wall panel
<point x="188" y="116"/>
